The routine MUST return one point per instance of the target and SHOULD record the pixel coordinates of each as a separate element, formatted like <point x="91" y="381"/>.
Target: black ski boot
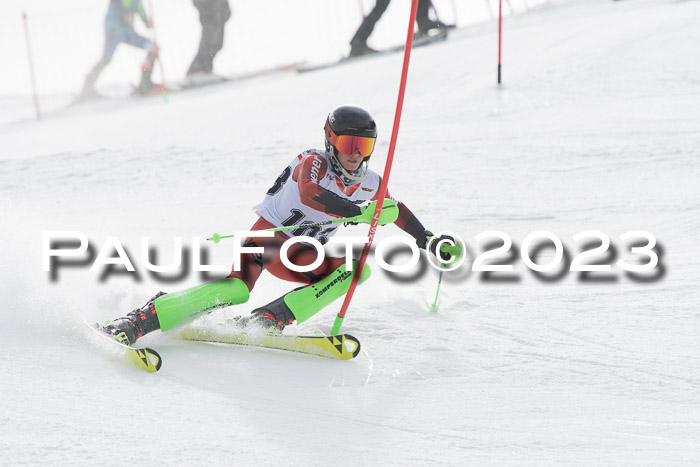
<point x="139" y="322"/>
<point x="425" y="26"/>
<point x="357" y="49"/>
<point x="272" y="317"/>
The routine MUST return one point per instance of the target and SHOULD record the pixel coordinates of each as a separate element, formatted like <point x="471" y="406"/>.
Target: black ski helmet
<point x="354" y="121"/>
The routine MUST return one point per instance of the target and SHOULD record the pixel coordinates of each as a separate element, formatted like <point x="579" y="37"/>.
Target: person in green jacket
<point x="119" y="28"/>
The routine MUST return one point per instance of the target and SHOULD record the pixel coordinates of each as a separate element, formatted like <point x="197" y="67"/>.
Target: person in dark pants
<point x="213" y="15"/>
<point x="358" y="44"/>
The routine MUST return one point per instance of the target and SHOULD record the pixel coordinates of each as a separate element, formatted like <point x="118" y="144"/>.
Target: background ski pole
<point x="488" y="7"/>
<point x="500" y="20"/>
<point x="510" y="7"/>
<point x="31" y="66"/>
<point x="362" y="10"/>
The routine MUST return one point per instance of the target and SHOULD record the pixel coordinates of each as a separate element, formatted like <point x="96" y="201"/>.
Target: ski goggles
<point x="348" y="144"/>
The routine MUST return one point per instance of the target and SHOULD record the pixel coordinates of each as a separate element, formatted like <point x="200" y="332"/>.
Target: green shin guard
<point x="177" y="308"/>
<point x="309" y="300"/>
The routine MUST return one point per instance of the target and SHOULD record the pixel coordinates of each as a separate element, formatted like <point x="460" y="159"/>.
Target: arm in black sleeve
<point x="336" y="205"/>
<point x="410" y="224"/>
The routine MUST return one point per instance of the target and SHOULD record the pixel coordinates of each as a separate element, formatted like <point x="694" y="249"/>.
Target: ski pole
<point x="434" y="307"/>
<point x="362" y="10"/>
<point x="216" y="238"/>
<point x="388" y="214"/>
<point x="488" y="7"/>
<point x="455" y="252"/>
<point x="437" y="16"/>
<point x="31" y="65"/>
<point x="432" y="7"/>
<point x="500" y="20"/>
<point x="510" y="7"/>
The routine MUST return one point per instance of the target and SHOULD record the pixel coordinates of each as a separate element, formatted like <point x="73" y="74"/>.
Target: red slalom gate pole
<point x="500" y="19"/>
<point x="31" y="66"/>
<point x="385" y="179"/>
<point x="163" y="91"/>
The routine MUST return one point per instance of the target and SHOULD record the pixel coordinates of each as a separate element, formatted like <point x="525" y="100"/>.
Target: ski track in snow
<point x="595" y="127"/>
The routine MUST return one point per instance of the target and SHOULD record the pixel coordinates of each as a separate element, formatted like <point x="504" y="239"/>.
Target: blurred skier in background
<point x="213" y="15"/>
<point x="316" y="186"/>
<point x="358" y="44"/>
<point x="119" y="27"/>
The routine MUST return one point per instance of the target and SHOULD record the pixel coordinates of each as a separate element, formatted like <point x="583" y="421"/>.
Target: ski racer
<point x="316" y="186"/>
<point x="119" y="27"/>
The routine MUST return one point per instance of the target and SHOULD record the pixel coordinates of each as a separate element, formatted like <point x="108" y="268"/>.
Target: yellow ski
<point x="144" y="358"/>
<point x="342" y="347"/>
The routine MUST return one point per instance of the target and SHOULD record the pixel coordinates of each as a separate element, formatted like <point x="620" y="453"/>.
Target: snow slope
<point x="595" y="127"/>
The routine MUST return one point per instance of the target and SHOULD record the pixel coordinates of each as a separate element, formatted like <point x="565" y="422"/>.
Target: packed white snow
<point x="595" y="127"/>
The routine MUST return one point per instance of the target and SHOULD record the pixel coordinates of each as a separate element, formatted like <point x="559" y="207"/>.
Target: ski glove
<point x="450" y="250"/>
<point x="389" y="214"/>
